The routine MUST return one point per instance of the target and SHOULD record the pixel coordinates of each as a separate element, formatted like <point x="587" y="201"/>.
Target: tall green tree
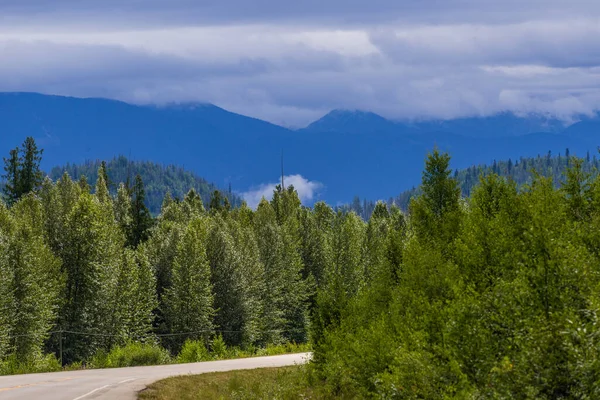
<point x="188" y="302"/>
<point x="30" y="176"/>
<point x="436" y="212"/>
<point x="12" y="177"/>
<point x="141" y="220"/>
<point x="90" y="254"/>
<point x="36" y="281"/>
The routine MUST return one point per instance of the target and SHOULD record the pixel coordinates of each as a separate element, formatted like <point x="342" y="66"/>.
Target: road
<point x="121" y="383"/>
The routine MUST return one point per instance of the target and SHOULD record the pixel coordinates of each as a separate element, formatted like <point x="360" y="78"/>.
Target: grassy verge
<point x="265" y="383"/>
<point x="136" y="354"/>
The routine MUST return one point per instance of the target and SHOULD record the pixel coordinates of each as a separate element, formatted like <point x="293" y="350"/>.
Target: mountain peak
<point x="351" y="121"/>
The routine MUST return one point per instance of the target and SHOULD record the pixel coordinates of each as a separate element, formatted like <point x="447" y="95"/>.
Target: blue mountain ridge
<point x="349" y="152"/>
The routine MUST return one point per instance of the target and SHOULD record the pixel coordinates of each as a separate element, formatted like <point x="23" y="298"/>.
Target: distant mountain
<point x="346" y="121"/>
<point x="348" y="152"/>
<point x="499" y="125"/>
<point x="158" y="179"/>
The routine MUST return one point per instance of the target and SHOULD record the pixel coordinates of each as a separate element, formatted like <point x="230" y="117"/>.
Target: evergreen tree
<point x="122" y="209"/>
<point x="102" y="193"/>
<point x="36" y="281"/>
<point x="435" y="213"/>
<point x="90" y="254"/>
<point x="30" y="175"/>
<point x="141" y="220"/>
<point x="268" y="236"/>
<point x="11" y="177"/>
<point x="188" y="303"/>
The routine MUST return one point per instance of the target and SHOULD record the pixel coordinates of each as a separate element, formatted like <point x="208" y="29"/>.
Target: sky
<point x="290" y="62"/>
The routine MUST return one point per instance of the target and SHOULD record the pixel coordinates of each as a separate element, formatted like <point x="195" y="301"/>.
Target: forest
<point x="494" y="295"/>
<point x="521" y="171"/>
<point x="158" y="180"/>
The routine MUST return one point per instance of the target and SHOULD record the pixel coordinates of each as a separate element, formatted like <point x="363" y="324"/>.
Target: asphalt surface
<point x="121" y="383"/>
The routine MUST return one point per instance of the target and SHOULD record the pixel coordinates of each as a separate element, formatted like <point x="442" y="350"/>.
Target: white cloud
<point x="307" y="190"/>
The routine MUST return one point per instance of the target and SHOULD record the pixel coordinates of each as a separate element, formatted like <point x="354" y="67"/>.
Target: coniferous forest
<point x="494" y="295"/>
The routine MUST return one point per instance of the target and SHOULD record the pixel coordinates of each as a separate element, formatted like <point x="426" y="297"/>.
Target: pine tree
<point x="435" y="213"/>
<point x="236" y="275"/>
<point x="268" y="236"/>
<point x="193" y="203"/>
<point x="252" y="280"/>
<point x="36" y="281"/>
<point x="103" y="171"/>
<point x="30" y="175"/>
<point x="286" y="205"/>
<point x="136" y="298"/>
<point x="84" y="185"/>
<point x="122" y="209"/>
<point x="188" y="303"/>
<point x="141" y="220"/>
<point x="12" y="177"/>
<point x="90" y="254"/>
<point x="102" y="193"/>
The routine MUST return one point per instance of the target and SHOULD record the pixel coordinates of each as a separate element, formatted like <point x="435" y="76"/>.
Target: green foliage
<point x="13" y="365"/>
<point x="131" y="355"/>
<point x="495" y="297"/>
<point x="22" y="171"/>
<point x="492" y="296"/>
<point x="218" y="348"/>
<point x="141" y="220"/>
<point x="193" y="351"/>
<point x="188" y="303"/>
<point x="159" y="180"/>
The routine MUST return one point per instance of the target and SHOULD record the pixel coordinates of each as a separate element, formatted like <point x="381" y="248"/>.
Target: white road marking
<point x="90" y="393"/>
<point x="127" y="380"/>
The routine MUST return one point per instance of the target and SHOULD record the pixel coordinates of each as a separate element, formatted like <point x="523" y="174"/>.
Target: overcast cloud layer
<point x="291" y="62"/>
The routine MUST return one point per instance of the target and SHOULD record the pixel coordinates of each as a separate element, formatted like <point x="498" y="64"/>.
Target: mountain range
<point x="349" y="152"/>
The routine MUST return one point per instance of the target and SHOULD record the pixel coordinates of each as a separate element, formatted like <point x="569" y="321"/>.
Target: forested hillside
<point x="522" y="171"/>
<point x="158" y="179"/>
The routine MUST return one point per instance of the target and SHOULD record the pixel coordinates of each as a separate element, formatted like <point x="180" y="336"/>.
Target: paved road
<point x="120" y="383"/>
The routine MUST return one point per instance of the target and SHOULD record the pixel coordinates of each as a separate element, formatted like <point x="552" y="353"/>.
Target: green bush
<point x="193" y="351"/>
<point x="218" y="348"/>
<point x="131" y="355"/>
<point x="286" y="348"/>
<point x="41" y="363"/>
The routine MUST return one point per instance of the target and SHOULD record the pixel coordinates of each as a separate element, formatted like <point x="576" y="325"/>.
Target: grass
<point x="265" y="383"/>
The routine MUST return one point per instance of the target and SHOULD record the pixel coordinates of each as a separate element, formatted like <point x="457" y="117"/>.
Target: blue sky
<point x="291" y="62"/>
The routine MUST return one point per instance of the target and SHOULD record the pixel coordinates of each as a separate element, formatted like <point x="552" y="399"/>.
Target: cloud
<point x="307" y="190"/>
<point x="291" y="62"/>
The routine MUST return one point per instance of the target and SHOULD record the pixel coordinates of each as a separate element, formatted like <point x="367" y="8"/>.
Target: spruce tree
<point x="30" y="176"/>
<point x="12" y="177"/>
<point x="436" y="212"/>
<point x="141" y="220"/>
